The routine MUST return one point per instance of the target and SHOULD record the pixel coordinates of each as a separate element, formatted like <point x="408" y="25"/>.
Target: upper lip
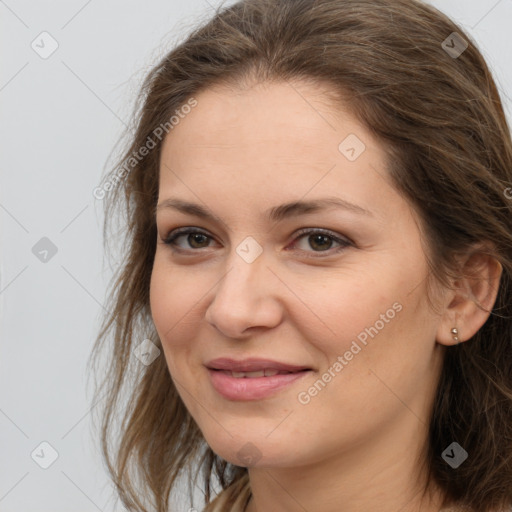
<point x="252" y="365"/>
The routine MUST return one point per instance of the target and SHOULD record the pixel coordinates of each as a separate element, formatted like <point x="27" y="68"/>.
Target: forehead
<point x="284" y="120"/>
<point x="268" y="144"/>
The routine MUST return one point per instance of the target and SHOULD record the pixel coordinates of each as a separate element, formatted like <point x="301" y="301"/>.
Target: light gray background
<point x="61" y="118"/>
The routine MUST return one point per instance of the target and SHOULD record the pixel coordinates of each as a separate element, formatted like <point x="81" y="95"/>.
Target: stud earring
<point x="455" y="335"/>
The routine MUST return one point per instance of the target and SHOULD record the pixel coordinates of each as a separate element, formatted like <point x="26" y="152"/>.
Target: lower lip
<point x="254" y="388"/>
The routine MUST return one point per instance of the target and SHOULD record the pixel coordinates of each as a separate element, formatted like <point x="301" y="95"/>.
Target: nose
<point x="247" y="297"/>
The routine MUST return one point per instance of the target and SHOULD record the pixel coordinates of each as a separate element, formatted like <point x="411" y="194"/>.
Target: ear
<point x="470" y="302"/>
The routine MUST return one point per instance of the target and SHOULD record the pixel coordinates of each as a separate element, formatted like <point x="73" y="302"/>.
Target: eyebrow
<point x="274" y="214"/>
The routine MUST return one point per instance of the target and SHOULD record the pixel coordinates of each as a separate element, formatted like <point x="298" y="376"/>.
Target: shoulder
<point x="232" y="499"/>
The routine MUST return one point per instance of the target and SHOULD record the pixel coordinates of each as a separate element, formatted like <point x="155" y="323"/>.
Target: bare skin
<point x="357" y="443"/>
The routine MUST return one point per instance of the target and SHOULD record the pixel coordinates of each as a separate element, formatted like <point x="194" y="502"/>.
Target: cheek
<point x="169" y="293"/>
<point x="160" y="299"/>
<point x="334" y="313"/>
<point x="375" y="324"/>
<point x="385" y="345"/>
<point x="175" y="302"/>
<point x="169" y="300"/>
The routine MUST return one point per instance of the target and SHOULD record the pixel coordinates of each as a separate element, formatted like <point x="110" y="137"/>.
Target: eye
<point x="321" y="240"/>
<point x="193" y="236"/>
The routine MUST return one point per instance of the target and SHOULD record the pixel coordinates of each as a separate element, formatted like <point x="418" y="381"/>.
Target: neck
<point x="381" y="474"/>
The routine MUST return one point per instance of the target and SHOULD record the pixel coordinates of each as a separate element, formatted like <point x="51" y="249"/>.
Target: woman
<point x="318" y="260"/>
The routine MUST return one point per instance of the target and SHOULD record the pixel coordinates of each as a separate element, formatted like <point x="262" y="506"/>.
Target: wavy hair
<point x="441" y="121"/>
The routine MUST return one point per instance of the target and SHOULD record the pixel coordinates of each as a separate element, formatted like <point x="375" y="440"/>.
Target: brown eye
<point x="194" y="239"/>
<point x="320" y="241"/>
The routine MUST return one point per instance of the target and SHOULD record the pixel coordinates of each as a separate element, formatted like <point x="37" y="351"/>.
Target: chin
<point x="258" y="452"/>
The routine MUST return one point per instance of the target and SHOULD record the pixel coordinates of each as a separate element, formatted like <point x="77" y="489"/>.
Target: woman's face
<point x="338" y="289"/>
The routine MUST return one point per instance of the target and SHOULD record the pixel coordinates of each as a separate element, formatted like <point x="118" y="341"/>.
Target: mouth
<point x="253" y="379"/>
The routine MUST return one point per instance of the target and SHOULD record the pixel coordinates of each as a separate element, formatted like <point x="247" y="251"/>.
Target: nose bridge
<point x="242" y="297"/>
<point x="246" y="268"/>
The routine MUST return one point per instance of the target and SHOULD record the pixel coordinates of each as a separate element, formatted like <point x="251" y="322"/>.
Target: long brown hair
<point x="440" y="119"/>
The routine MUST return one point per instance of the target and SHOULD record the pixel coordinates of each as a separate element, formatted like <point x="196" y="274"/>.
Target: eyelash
<point x="171" y="238"/>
